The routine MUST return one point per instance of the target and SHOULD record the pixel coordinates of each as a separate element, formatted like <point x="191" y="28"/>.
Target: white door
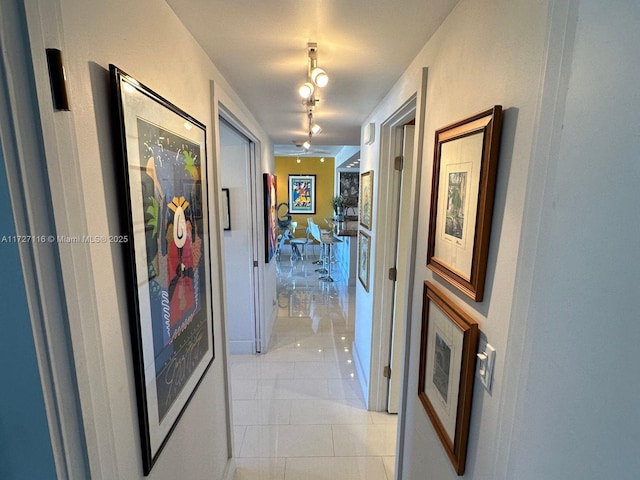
<point x="402" y="262"/>
<point x="236" y="169"/>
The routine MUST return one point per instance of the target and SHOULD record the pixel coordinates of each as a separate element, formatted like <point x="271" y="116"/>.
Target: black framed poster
<point x="169" y="283"/>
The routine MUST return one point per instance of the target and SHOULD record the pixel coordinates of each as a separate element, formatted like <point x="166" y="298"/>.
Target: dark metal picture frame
<point x="302" y="194"/>
<point x="448" y="344"/>
<point x="165" y="212"/>
<point x="463" y="187"/>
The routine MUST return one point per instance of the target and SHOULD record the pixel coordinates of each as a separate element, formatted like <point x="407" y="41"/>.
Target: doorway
<point x="405" y="141"/>
<point x="237" y="174"/>
<point x="396" y="171"/>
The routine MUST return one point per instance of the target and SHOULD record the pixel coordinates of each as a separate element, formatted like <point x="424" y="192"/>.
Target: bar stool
<point x="282" y="238"/>
<point x="328" y="240"/>
<point x="317" y="235"/>
<point x="299" y="244"/>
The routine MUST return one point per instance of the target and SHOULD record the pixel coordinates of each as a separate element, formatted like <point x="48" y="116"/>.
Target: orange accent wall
<point x="325" y="176"/>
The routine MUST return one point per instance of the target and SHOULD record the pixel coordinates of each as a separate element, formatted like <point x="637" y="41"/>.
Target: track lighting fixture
<point x="316" y="78"/>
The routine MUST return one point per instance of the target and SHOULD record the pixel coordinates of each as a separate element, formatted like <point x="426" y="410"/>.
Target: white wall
<point x="486" y="52"/>
<point x="560" y="302"/>
<point x="578" y="414"/>
<point x="145" y="39"/>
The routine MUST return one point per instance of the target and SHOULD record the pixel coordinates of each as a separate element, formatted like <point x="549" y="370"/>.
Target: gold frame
<point x="463" y="187"/>
<point x="366" y="200"/>
<point x="367" y="267"/>
<point x="449" y="412"/>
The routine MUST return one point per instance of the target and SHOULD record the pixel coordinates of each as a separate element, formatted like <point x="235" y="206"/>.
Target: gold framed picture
<point x="364" y="255"/>
<point x="366" y="199"/>
<point x="464" y="178"/>
<point x="448" y="344"/>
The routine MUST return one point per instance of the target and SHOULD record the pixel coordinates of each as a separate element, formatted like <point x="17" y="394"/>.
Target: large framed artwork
<point x="270" y="216"/>
<point x="464" y="178"/>
<point x="302" y="194"/>
<point x="364" y="256"/>
<point x="366" y="199"/>
<point x="448" y="344"/>
<point x="350" y="188"/>
<point x="169" y="283"/>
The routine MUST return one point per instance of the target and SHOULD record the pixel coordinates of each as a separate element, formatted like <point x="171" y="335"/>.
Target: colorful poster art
<point x="164" y="206"/>
<point x="270" y="216"/>
<point x="170" y="182"/>
<point x="302" y="194"/>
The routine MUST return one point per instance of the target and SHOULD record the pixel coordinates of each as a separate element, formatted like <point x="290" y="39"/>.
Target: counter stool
<point x="327" y="241"/>
<point x="298" y="244"/>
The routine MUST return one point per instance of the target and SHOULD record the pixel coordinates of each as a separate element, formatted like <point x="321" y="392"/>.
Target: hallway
<point x="298" y="410"/>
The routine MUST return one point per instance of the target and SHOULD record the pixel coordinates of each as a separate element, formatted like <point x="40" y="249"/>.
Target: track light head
<point x="306" y="90"/>
<point x="319" y="77"/>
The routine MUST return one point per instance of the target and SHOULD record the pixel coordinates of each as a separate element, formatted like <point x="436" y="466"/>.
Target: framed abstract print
<point x="302" y="194"/>
<point x="366" y="199"/>
<point x="350" y="188"/>
<point x="448" y="344"/>
<point x="270" y="216"/>
<point x="364" y="256"/>
<point x="464" y="178"/>
<point x="165" y="208"/>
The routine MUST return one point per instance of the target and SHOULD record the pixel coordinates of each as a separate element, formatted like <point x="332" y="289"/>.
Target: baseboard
<point x="364" y="385"/>
<point x="230" y="470"/>
<point x="269" y="329"/>
<point x="241" y="347"/>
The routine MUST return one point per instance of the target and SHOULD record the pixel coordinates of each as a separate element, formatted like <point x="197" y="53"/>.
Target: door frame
<point x="405" y="137"/>
<point x="78" y="418"/>
<point x="385" y="251"/>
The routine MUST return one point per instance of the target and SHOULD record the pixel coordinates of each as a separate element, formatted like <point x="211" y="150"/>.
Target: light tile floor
<point x="298" y="410"/>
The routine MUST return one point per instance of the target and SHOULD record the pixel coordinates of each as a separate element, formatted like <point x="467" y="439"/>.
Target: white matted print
<point x="464" y="178"/>
<point x="459" y="182"/>
<point x="448" y="344"/>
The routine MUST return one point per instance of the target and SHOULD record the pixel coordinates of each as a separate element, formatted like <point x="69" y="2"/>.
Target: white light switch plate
<point x="486" y="361"/>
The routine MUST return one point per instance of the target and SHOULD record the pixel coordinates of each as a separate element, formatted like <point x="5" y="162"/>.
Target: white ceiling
<point x="260" y="47"/>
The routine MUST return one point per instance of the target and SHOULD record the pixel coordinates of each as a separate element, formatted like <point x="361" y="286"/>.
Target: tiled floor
<point x="298" y="410"/>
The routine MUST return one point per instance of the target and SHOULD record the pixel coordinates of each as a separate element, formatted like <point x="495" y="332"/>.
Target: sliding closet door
<point x="236" y="163"/>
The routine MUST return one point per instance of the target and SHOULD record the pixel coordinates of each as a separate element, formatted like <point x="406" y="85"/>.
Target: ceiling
<point x="260" y="47"/>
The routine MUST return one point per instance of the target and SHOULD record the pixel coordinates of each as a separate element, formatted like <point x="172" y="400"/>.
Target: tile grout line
<point x="333" y="442"/>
